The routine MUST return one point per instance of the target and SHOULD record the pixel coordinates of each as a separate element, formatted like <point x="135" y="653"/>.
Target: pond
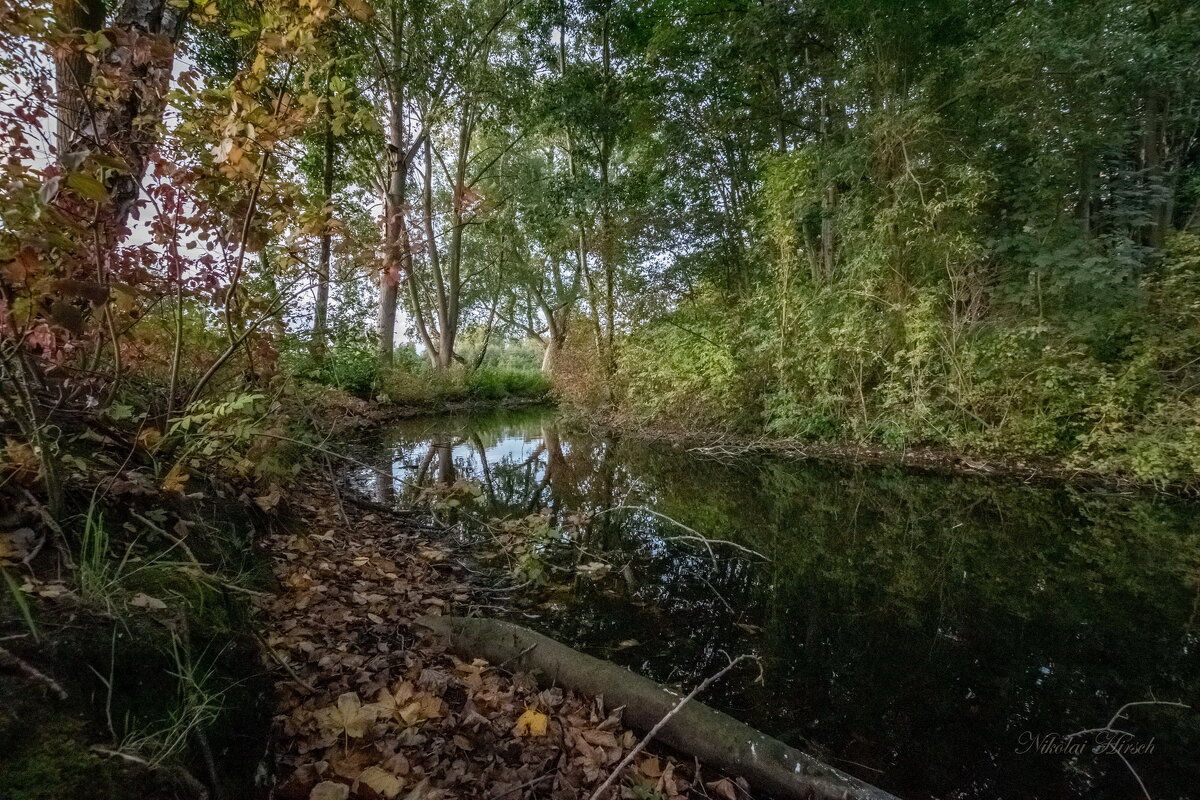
<point x="936" y="636"/>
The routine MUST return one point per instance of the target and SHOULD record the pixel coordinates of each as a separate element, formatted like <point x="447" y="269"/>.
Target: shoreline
<point x="931" y="460"/>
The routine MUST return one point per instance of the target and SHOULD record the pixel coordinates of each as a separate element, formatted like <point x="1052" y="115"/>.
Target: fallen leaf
<point x="348" y="716"/>
<point x="329" y="790"/>
<point x="176" y="479"/>
<point x="651" y="767"/>
<point x="149" y="438"/>
<point x="531" y="723"/>
<point x="17" y="545"/>
<point x="268" y="501"/>
<point x="143" y="600"/>
<point x="724" y="788"/>
<point x="382" y="781"/>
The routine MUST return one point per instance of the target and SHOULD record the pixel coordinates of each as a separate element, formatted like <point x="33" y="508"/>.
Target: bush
<point x="351" y="368"/>
<point x="419" y="384"/>
<point x="497" y="383"/>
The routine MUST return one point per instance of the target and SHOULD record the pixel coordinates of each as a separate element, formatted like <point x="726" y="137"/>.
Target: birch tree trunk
<point x="320" y="333"/>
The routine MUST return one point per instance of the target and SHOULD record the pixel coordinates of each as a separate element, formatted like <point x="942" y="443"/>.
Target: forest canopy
<point x="240" y="240"/>
<point x="970" y="225"/>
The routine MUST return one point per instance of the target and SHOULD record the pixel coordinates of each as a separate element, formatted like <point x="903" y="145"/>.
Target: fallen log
<point x="716" y="739"/>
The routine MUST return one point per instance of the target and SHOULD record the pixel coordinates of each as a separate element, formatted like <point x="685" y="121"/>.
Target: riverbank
<point x="370" y="705"/>
<point x="936" y="460"/>
<point x="884" y="603"/>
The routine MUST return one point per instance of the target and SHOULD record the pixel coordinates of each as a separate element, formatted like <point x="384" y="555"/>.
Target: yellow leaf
<point x="176" y="479"/>
<point x="87" y="186"/>
<point x="531" y="723"/>
<point x="143" y="600"/>
<point x="359" y="9"/>
<point x="268" y="501"/>
<point x="149" y="438"/>
<point x="382" y="781"/>
<point x="347" y="716"/>
<point x="411" y="713"/>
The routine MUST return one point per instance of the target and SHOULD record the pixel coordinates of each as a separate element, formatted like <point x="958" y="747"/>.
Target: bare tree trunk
<point x="458" y="225"/>
<point x="395" y="233"/>
<point x="1083" y="203"/>
<point x="553" y="352"/>
<point x="1152" y="167"/>
<point x="124" y="123"/>
<point x="828" y="202"/>
<point x="73" y="73"/>
<point x="607" y="243"/>
<point x="435" y="261"/>
<point x="320" y="333"/>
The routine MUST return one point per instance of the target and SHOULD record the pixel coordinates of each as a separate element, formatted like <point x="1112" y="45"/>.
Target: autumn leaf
<point x="143" y="600"/>
<point x="268" y="501"/>
<point x="381" y="781"/>
<point x="149" y="438"/>
<point x="329" y="790"/>
<point x="17" y="545"/>
<point x="724" y="788"/>
<point x="531" y="723"/>
<point x="359" y="9"/>
<point x="176" y="479"/>
<point x="348" y="715"/>
<point x="20" y="459"/>
<point x="87" y="186"/>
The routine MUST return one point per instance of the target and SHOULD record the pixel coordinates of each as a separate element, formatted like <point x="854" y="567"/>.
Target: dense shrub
<point x="911" y="374"/>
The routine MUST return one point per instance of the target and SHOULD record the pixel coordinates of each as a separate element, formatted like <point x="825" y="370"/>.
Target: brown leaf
<point x="329" y="790"/>
<point x="381" y="781"/>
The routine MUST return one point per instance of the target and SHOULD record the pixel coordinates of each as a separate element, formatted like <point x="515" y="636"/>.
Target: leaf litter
<point x="372" y="707"/>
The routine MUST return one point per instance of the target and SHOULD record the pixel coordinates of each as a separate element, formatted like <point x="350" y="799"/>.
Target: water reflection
<point x="915" y="630"/>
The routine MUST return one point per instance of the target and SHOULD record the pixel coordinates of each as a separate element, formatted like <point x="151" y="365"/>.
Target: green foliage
<point x="679" y="369"/>
<point x="351" y="367"/>
<point x="419" y="384"/>
<point x="497" y="383"/>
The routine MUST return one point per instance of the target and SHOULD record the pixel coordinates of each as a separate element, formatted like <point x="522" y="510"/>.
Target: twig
<point x="693" y="533"/>
<point x="640" y="746"/>
<point x="324" y="451"/>
<point x="7" y="659"/>
<point x="524" y="785"/>
<point x="337" y="493"/>
<point x="288" y="667"/>
<point x="175" y="540"/>
<point x="517" y="657"/>
<point x="1108" y="728"/>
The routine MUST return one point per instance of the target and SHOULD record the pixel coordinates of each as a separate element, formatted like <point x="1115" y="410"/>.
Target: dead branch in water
<point x="692" y="533"/>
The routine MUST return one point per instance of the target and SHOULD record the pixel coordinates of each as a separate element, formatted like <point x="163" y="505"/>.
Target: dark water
<point x="932" y="635"/>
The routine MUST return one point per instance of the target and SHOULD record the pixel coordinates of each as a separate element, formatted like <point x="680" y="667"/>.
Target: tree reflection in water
<point x="915" y="629"/>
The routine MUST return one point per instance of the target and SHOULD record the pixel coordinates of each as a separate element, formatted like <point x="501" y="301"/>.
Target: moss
<point x="45" y="753"/>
